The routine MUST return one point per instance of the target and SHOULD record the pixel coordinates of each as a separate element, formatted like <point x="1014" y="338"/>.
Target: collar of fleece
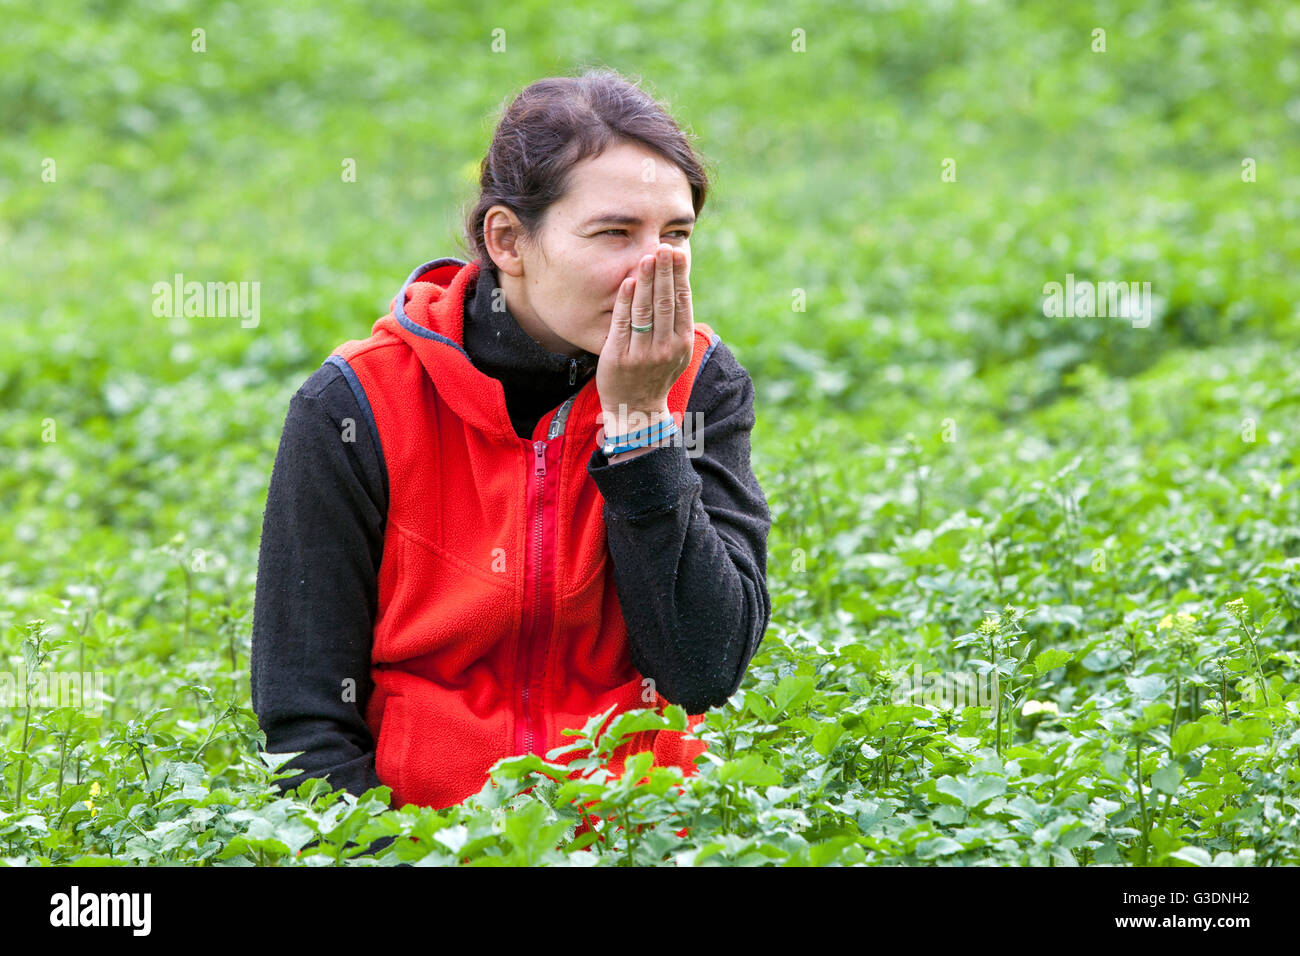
<point x="535" y="380"/>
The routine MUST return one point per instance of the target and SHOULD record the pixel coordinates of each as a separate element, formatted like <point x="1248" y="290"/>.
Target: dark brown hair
<point x="554" y="124"/>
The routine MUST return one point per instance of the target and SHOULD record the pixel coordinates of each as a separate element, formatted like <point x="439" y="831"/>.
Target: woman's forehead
<point x="619" y="199"/>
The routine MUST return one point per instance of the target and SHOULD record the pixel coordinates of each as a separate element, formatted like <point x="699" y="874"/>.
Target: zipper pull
<point x="573" y="370"/>
<point x="539" y="457"/>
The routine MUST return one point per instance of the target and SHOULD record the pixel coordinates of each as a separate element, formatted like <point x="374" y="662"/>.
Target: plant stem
<point x="211" y="731"/>
<point x="1173" y="721"/>
<point x="22" y="763"/>
<point x="631" y="834"/>
<point x="1259" y="667"/>
<point x="1142" y="803"/>
<point x="1164" y="811"/>
<point x="997" y="698"/>
<point x="63" y="752"/>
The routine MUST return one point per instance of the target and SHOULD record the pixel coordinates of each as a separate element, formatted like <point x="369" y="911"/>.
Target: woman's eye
<point x="620" y="232"/>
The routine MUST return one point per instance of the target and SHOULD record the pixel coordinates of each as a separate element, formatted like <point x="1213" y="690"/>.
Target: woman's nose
<point x="652" y="251"/>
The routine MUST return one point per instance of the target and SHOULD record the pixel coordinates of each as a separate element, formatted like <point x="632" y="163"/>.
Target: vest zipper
<point x="539" y="587"/>
<point x="525" y="732"/>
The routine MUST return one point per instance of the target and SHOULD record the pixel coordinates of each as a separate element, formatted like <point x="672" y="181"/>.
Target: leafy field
<point x="1102" y="513"/>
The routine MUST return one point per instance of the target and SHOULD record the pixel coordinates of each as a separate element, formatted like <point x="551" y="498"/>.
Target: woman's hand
<point x="637" y="369"/>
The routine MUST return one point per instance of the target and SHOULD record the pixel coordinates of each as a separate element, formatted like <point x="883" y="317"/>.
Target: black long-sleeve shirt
<point x="687" y="537"/>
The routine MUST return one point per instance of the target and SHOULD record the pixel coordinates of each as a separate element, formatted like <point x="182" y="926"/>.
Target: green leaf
<point x="793" y="691"/>
<point x="1206" y="730"/>
<point x="749" y="769"/>
<point x="636" y="766"/>
<point x="757" y="705"/>
<point x="948" y="815"/>
<point x="972" y="791"/>
<point x="826" y="738"/>
<point x="1050" y="659"/>
<point x="1167" y="777"/>
<point x="837" y="848"/>
<point x="939" y="846"/>
<point x="1192" y="854"/>
<point x="635" y="721"/>
<point x="1147" y="688"/>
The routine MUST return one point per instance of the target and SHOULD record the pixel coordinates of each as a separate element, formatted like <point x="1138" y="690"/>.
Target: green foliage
<point x="1094" y="522"/>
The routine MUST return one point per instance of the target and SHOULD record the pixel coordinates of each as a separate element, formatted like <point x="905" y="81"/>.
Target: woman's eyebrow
<point x="622" y="220"/>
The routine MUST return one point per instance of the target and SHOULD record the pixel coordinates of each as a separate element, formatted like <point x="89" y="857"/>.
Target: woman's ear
<point x="502" y="236"/>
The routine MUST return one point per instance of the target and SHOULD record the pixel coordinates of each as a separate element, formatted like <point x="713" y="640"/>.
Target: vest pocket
<point x="390" y="749"/>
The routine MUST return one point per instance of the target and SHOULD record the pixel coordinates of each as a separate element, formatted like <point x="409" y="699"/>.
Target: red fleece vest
<point x="498" y="622"/>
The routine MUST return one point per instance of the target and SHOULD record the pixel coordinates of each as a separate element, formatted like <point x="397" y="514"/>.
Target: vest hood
<point x="428" y="314"/>
<point x="501" y="348"/>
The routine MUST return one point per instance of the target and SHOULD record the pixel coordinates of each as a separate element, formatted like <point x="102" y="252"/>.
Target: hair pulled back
<point x="554" y="124"/>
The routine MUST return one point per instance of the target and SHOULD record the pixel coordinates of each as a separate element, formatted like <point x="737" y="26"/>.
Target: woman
<point x="526" y="498"/>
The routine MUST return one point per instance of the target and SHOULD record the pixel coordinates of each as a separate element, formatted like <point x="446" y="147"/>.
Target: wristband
<point x="641" y="439"/>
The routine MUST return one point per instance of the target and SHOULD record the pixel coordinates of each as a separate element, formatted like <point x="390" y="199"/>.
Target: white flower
<point x="1038" y="707"/>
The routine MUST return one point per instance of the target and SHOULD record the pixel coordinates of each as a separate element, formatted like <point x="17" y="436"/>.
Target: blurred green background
<point x="924" y="298"/>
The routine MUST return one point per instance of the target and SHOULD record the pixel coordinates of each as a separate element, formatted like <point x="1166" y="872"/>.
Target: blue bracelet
<point x="641" y="439"/>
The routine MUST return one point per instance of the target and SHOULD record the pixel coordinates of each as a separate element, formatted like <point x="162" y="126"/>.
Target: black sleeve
<point x="688" y="537"/>
<point x="318" y="587"/>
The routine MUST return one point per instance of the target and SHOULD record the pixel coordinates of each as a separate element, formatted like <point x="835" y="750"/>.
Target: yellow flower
<point x="1183" y="628"/>
<point x="1038" y="707"/>
<point x="989" y="625"/>
<point x="94" y="789"/>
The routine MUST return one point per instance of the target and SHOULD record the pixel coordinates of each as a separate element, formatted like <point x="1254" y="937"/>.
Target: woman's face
<point x="619" y="206"/>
